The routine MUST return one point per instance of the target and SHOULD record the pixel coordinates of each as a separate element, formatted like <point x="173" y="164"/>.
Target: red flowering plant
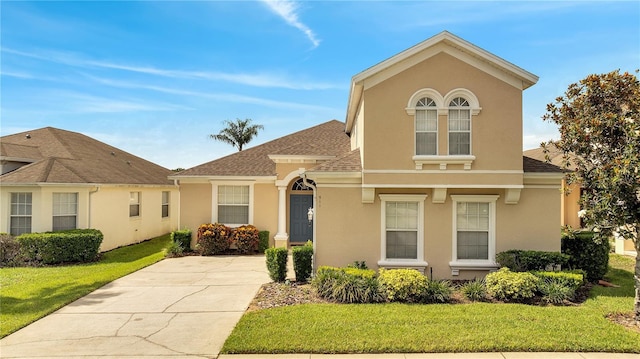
<point x="213" y="238"/>
<point x="246" y="239"/>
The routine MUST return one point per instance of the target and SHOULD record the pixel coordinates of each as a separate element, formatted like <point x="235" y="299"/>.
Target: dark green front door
<point x="301" y="229"/>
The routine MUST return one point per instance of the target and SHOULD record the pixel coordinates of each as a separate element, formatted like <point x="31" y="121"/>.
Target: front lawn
<point x="476" y="327"/>
<point x="28" y="294"/>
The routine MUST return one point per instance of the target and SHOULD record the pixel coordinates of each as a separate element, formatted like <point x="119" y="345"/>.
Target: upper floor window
<point x="459" y="127"/>
<point x="426" y="127"/>
<point x="65" y="211"/>
<point x="20" y="213"/>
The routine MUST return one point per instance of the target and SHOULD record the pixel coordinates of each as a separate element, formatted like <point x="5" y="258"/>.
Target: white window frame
<point x="393" y="262"/>
<point x="459" y="109"/>
<point x="165" y="204"/>
<point x="138" y="203"/>
<point x="18" y="215"/>
<point x="73" y="213"/>
<point x="474" y="264"/>
<point x="426" y="109"/>
<point x="214" y="201"/>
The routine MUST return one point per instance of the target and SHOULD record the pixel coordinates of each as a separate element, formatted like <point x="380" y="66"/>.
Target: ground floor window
<point x="233" y="204"/>
<point x="134" y="204"/>
<point x="402" y="227"/>
<point x="20" y="213"/>
<point x="474" y="220"/>
<point x="65" y="211"/>
<point x="165" y="204"/>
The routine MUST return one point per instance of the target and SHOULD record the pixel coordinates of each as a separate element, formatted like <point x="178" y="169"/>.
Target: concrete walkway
<point x="180" y="308"/>
<point x="177" y="308"/>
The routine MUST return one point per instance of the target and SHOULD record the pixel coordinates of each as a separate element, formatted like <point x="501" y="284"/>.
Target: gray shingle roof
<point x="534" y="165"/>
<point x="60" y="156"/>
<point x="326" y="139"/>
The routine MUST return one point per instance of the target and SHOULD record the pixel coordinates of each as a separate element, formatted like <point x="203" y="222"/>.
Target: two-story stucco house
<point x="426" y="172"/>
<point x="52" y="179"/>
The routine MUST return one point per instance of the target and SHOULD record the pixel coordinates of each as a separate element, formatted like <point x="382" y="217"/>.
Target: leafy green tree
<point x="238" y="133"/>
<point x="599" y="122"/>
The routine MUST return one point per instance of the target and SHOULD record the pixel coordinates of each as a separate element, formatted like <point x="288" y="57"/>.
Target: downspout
<point x="177" y="184"/>
<point x="303" y="175"/>
<point x="89" y="212"/>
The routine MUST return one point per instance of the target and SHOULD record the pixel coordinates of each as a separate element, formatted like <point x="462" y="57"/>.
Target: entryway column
<point x="282" y="237"/>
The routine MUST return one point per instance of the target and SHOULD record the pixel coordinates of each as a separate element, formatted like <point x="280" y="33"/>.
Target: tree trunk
<point x="637" y="275"/>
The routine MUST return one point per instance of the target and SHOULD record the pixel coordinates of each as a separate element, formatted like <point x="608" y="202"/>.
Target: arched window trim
<point x="474" y="104"/>
<point x="426" y="92"/>
<point x="299" y="185"/>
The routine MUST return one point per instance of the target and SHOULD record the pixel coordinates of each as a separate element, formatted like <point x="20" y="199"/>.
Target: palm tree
<point x="238" y="133"/>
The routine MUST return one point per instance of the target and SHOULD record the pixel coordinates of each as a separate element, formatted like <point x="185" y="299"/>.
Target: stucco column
<point x="282" y="237"/>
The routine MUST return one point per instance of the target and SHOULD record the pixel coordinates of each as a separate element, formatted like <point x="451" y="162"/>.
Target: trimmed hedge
<point x="10" y="255"/>
<point x="507" y="285"/>
<point x="587" y="252"/>
<point x="523" y="261"/>
<point x="213" y="238"/>
<point x="403" y="285"/>
<point x="182" y="238"/>
<point x="302" y="261"/>
<point x="572" y="280"/>
<point x="246" y="239"/>
<point x="75" y="245"/>
<point x="263" y="244"/>
<point x="277" y="263"/>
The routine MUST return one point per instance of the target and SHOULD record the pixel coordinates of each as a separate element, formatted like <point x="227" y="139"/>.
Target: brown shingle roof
<point x="61" y="156"/>
<point x="555" y="155"/>
<point x="349" y="162"/>
<point x="533" y="165"/>
<point x="326" y="139"/>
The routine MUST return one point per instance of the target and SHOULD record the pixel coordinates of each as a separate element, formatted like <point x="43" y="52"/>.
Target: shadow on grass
<point x="618" y="277"/>
<point x="134" y="252"/>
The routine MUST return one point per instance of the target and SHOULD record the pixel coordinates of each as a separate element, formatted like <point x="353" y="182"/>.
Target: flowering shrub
<point x="246" y="239"/>
<point x="213" y="238"/>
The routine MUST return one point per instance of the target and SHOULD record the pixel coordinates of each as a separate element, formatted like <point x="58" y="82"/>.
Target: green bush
<point x="403" y="285"/>
<point x="213" y="238"/>
<point x="555" y="292"/>
<point x="277" y="263"/>
<point x="587" y="252"/>
<point x="183" y="238"/>
<point x="10" y="255"/>
<point x="358" y="264"/>
<point x="523" y="261"/>
<point x="511" y="286"/>
<point x="302" y="261"/>
<point x="246" y="239"/>
<point x="75" y="245"/>
<point x="175" y="249"/>
<point x="437" y="291"/>
<point x="347" y="285"/>
<point x="572" y="279"/>
<point x="475" y="290"/>
<point x="263" y="244"/>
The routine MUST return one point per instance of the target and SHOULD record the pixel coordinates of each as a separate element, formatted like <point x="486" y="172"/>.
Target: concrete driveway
<point x="177" y="308"/>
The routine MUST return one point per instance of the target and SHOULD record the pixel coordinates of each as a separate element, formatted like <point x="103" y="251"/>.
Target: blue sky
<point x="154" y="78"/>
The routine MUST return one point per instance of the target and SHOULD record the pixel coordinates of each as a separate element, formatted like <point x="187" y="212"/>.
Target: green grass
<point x="28" y="294"/>
<point x="477" y="327"/>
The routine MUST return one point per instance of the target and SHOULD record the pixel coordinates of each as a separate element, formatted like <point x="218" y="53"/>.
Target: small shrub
<point x="302" y="261"/>
<point x="573" y="280"/>
<point x="174" y="250"/>
<point x="10" y="255"/>
<point x="437" y="291"/>
<point x="72" y="246"/>
<point x="587" y="252"/>
<point x="183" y="238"/>
<point x="507" y="285"/>
<point x="475" y="290"/>
<point x="347" y="285"/>
<point x="213" y="238"/>
<point x="277" y="263"/>
<point x="246" y="239"/>
<point x="403" y="285"/>
<point x="555" y="292"/>
<point x="263" y="243"/>
<point x="358" y="264"/>
<point x="523" y="261"/>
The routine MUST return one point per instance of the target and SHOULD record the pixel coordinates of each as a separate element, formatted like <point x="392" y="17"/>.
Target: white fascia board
<point x="299" y="158"/>
<point x="453" y="186"/>
<point x="17" y="159"/>
<point x="207" y="179"/>
<point x="355" y="96"/>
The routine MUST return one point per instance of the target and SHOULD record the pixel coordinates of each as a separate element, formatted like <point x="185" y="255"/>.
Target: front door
<point x="301" y="229"/>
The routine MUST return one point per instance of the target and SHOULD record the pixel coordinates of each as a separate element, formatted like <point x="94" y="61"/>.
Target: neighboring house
<point x="54" y="179"/>
<point x="426" y="172"/>
<point x="570" y="197"/>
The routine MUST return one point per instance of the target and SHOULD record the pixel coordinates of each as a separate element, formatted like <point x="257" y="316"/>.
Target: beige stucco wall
<point x="265" y="209"/>
<point x="389" y="130"/>
<point x="101" y="207"/>
<point x="354" y="232"/>
<point x="570" y="206"/>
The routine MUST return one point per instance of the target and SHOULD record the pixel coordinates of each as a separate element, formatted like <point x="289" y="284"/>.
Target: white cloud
<point x="288" y="11"/>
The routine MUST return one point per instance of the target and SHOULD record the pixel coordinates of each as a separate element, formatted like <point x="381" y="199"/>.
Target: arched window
<point x="426" y="127"/>
<point x="300" y="186"/>
<point x="459" y="127"/>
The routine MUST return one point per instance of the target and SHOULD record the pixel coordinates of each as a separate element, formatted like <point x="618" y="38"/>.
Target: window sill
<point x="403" y="263"/>
<point x="457" y="266"/>
<point x="443" y="161"/>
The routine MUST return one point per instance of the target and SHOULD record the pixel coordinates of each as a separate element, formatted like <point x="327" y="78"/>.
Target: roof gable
<point x="442" y="42"/>
<point x="60" y="156"/>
